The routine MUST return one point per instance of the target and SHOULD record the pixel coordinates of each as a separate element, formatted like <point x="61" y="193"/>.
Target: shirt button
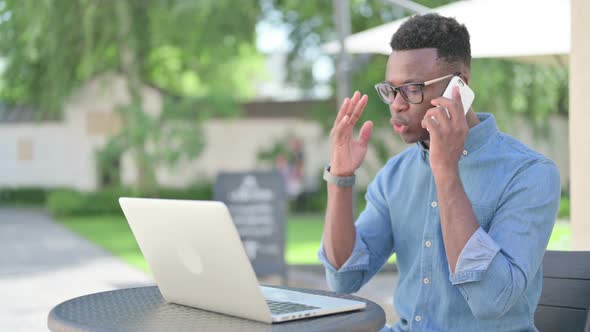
<point x="434" y="204"/>
<point x="465" y="152"/>
<point x="417" y="318"/>
<point x="426" y="281"/>
<point x="427" y="244"/>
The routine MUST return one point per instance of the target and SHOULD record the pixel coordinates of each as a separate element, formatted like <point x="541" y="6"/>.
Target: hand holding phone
<point x="467" y="95"/>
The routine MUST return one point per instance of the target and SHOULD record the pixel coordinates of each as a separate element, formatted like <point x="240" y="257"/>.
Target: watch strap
<point x="340" y="181"/>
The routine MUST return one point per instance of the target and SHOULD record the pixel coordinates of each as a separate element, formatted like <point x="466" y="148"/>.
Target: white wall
<point x="57" y="157"/>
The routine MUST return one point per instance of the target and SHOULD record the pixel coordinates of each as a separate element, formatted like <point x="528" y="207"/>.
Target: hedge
<point x="69" y="202"/>
<point x="23" y="195"/>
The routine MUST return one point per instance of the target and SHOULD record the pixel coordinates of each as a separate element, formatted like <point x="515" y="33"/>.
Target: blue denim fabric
<point x="496" y="286"/>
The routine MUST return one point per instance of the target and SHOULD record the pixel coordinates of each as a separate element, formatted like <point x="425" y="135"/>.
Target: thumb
<point x="365" y="133"/>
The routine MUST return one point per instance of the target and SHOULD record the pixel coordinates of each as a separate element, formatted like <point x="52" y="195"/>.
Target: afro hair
<point x="445" y="34"/>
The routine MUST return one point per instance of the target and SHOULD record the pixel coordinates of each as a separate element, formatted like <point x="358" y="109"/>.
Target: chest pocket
<point x="484" y="215"/>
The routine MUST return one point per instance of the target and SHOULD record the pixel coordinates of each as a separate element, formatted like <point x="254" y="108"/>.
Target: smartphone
<point x="467" y="95"/>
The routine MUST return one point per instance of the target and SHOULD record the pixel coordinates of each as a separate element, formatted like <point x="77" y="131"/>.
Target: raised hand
<point x="348" y="153"/>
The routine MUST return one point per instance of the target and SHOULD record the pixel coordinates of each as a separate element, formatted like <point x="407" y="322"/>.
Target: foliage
<point x="311" y="23"/>
<point x="200" y="191"/>
<point x="315" y="202"/>
<point x="508" y="88"/>
<point x="173" y="136"/>
<point x="564" y="207"/>
<point x="23" y="195"/>
<point x="209" y="106"/>
<point x="184" y="48"/>
<point x="270" y="154"/>
<point x="281" y="147"/>
<point x="69" y="202"/>
<point x="310" y="202"/>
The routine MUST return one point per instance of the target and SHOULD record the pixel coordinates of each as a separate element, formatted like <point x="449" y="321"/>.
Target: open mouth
<point x="399" y="126"/>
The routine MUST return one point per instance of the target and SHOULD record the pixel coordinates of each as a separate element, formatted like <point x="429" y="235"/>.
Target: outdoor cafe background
<point x="147" y="120"/>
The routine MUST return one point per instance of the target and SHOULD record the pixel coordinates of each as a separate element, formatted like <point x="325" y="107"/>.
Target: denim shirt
<point x="514" y="193"/>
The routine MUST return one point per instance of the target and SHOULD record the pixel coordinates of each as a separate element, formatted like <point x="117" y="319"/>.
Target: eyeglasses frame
<point x="396" y="89"/>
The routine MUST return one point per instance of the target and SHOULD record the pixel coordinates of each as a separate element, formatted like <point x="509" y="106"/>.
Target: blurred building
<point x="62" y="153"/>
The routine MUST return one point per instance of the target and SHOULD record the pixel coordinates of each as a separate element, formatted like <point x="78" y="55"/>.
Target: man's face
<point x="414" y="66"/>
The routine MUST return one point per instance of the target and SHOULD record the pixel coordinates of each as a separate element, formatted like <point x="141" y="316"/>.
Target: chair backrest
<point x="565" y="298"/>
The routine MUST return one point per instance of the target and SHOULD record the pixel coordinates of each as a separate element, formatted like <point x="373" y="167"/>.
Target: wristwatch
<point x="340" y="181"/>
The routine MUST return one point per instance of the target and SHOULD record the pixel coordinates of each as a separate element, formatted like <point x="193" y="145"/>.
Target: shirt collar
<point x="481" y="132"/>
<point x="424" y="151"/>
<point x="477" y="136"/>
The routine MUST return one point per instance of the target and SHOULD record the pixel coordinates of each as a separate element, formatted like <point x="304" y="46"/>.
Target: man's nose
<point x="399" y="104"/>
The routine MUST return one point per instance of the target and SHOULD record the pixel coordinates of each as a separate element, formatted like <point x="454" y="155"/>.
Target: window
<point x="25" y="149"/>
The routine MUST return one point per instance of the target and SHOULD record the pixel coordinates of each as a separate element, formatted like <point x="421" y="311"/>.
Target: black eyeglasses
<point x="413" y="93"/>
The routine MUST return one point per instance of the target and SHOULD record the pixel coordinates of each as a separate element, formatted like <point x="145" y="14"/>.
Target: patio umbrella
<point x="524" y="30"/>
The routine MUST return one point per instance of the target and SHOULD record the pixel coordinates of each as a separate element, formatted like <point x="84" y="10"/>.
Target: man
<point x="467" y="209"/>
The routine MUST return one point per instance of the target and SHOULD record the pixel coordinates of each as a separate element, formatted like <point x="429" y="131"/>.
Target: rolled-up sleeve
<point x="475" y="258"/>
<point x="373" y="245"/>
<point x="494" y="268"/>
<point x="350" y="276"/>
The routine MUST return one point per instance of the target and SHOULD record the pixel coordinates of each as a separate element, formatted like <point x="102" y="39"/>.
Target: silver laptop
<point x="198" y="260"/>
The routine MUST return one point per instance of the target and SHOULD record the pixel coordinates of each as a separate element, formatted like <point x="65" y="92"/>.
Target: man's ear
<point x="465" y="74"/>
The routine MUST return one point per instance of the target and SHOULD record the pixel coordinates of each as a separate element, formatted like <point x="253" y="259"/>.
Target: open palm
<point x="348" y="153"/>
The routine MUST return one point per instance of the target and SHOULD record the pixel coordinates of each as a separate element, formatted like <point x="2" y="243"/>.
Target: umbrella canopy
<point x="523" y="30"/>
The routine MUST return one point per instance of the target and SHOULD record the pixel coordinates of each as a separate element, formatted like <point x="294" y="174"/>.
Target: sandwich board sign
<point x="257" y="202"/>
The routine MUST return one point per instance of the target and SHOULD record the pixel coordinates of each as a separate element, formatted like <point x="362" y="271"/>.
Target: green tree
<point x="508" y="88"/>
<point x="195" y="52"/>
<point x="311" y="23"/>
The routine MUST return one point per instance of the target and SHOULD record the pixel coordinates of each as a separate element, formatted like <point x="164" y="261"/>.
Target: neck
<point x="472" y="119"/>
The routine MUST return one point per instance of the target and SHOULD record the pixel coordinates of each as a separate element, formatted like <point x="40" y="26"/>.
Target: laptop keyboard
<point x="277" y="307"/>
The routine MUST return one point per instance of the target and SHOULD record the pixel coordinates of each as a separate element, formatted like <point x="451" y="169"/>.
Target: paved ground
<point x="43" y="264"/>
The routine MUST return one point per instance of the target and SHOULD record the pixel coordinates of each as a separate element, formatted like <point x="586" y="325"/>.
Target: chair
<point x="565" y="299"/>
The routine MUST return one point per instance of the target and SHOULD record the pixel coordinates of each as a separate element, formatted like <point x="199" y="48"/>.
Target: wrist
<point x="338" y="180"/>
<point x="448" y="169"/>
<point x="446" y="176"/>
<point x="341" y="173"/>
<point x="336" y="170"/>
